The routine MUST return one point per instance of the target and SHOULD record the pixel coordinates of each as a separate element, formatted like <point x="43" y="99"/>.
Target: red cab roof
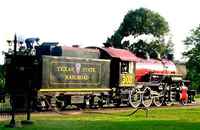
<point x="122" y="54"/>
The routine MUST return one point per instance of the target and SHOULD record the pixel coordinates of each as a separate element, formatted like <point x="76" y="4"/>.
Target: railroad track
<point x="104" y="110"/>
<point x="107" y="110"/>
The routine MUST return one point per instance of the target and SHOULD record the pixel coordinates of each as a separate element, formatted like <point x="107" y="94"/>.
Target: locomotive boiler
<point x="58" y="76"/>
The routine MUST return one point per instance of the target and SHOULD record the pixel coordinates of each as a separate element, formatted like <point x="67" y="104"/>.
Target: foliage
<point x="2" y="77"/>
<point x="159" y="119"/>
<point x="192" y="44"/>
<point x="142" y="22"/>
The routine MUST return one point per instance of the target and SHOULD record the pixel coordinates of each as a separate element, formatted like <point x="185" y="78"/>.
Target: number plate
<point x="127" y="80"/>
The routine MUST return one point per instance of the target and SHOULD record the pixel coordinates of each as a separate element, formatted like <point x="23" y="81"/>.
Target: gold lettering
<point x="89" y="70"/>
<point x="65" y="69"/>
<point x="76" y="77"/>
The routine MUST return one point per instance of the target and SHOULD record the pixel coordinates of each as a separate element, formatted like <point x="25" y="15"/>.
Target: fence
<point x="5" y="107"/>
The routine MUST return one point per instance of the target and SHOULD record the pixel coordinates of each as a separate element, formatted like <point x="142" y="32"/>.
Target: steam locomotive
<point x="59" y="76"/>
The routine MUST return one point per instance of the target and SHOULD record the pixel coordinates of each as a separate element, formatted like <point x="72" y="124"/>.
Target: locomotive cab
<point x="122" y="67"/>
<point x="122" y="73"/>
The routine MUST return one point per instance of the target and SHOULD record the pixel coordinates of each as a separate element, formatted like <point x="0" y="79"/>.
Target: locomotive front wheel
<point x="146" y="97"/>
<point x="134" y="99"/>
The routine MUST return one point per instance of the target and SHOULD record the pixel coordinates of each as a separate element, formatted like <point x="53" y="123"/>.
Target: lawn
<point x="183" y="118"/>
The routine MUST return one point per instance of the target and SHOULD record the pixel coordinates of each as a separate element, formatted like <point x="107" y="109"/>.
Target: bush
<point x="2" y="83"/>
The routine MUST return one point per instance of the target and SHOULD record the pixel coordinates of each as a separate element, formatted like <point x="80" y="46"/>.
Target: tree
<point x="2" y="77"/>
<point x="192" y="44"/>
<point x="142" y="22"/>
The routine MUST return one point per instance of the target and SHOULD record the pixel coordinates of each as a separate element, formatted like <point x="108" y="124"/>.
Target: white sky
<point x="89" y="22"/>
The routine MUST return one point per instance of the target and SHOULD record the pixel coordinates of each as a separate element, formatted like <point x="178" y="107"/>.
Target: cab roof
<point x="122" y="54"/>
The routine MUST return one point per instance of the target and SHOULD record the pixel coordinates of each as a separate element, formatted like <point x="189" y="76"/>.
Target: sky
<point x="89" y="22"/>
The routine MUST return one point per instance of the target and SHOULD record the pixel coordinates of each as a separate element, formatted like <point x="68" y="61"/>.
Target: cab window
<point x="127" y="67"/>
<point x="124" y="67"/>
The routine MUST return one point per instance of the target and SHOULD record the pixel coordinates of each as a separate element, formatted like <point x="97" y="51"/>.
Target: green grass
<point x="197" y="96"/>
<point x="186" y="118"/>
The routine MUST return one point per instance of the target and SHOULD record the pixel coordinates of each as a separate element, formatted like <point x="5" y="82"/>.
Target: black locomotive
<point x="59" y="76"/>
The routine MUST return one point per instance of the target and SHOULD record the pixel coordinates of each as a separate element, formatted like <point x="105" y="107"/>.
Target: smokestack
<point x="76" y="46"/>
<point x="170" y="57"/>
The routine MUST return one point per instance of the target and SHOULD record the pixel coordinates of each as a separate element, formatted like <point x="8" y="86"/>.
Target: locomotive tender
<point x="88" y="77"/>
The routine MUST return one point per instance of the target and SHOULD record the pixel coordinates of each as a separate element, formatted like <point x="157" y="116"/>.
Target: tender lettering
<point x="88" y="70"/>
<point x="77" y="77"/>
<point x="65" y="69"/>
